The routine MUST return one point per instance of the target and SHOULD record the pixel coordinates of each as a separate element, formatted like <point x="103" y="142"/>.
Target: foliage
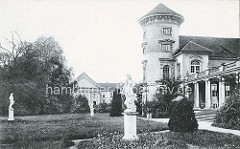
<point x="103" y="107"/>
<point x="168" y="140"/>
<point x="67" y="143"/>
<point x="165" y="94"/>
<point x="228" y="116"/>
<point x="26" y="72"/>
<point x="44" y="130"/>
<point x="116" y="105"/>
<point x="182" y="117"/>
<point x="138" y="102"/>
<point x="81" y="105"/>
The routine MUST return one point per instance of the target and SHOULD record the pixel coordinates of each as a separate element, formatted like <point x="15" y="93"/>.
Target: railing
<point x="212" y="72"/>
<point x="230" y="65"/>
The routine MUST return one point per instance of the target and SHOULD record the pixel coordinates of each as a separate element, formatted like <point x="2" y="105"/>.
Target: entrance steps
<point x="205" y="115"/>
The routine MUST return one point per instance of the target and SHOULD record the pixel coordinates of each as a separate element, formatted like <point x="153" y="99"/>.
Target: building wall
<point x="153" y="33"/>
<point x="153" y="51"/>
<point x="106" y="97"/>
<point x="185" y="62"/>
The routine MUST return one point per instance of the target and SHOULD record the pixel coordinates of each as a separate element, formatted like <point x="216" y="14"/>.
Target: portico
<point x="211" y="88"/>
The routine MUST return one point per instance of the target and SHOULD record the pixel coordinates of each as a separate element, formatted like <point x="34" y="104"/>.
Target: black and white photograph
<point x="119" y="74"/>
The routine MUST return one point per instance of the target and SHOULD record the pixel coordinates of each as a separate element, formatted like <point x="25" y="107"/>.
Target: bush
<point x="156" y="108"/>
<point x="67" y="143"/>
<point x="81" y="105"/>
<point x="163" y="97"/>
<point x="182" y="117"/>
<point x="103" y="107"/>
<point x="228" y="116"/>
<point x="116" y="105"/>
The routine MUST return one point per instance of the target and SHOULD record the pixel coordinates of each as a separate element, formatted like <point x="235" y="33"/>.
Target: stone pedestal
<point x="11" y="114"/>
<point x="92" y="112"/>
<point x="149" y="115"/>
<point x="130" y="126"/>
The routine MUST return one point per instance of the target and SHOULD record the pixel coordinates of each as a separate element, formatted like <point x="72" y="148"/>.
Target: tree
<point x="81" y="105"/>
<point x="167" y="91"/>
<point x="228" y="116"/>
<point x="27" y="71"/>
<point x="182" y="117"/>
<point x="138" y="91"/>
<point x="116" y="105"/>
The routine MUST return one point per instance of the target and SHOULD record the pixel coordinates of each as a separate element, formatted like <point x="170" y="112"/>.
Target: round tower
<point x="160" y="40"/>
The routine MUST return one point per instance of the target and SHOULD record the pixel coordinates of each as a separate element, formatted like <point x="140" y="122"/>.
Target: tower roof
<point x="161" y="9"/>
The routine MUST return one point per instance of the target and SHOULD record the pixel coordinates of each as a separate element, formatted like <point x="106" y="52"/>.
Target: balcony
<point x="222" y="70"/>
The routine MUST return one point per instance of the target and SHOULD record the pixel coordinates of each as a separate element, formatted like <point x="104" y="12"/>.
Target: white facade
<point x="207" y="64"/>
<point x="96" y="93"/>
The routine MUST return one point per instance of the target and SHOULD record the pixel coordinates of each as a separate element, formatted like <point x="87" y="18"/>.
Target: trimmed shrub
<point x="228" y="116"/>
<point x="116" y="105"/>
<point x="182" y="117"/>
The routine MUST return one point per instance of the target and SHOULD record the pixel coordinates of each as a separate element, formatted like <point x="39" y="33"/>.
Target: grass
<point x="49" y="131"/>
<point x="198" y="139"/>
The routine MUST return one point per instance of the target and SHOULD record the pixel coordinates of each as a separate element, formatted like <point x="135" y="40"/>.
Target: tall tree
<point x="116" y="105"/>
<point x="29" y="68"/>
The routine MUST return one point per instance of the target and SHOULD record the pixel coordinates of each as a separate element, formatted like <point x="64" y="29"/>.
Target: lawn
<point x="49" y="131"/>
<point x="169" y="140"/>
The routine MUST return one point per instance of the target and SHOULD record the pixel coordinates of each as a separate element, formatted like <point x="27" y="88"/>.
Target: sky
<point x="102" y="37"/>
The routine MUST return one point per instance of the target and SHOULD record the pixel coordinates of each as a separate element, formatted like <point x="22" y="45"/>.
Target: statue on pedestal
<point x="10" y="108"/>
<point x="129" y="94"/>
<point x="91" y="106"/>
<point x="11" y="101"/>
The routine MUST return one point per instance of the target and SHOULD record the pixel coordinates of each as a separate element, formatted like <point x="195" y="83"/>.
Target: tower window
<point x="167" y="31"/>
<point x="227" y="89"/>
<point x="195" y="66"/>
<point x="179" y="70"/>
<point x="166" y="71"/>
<point x="166" y="47"/>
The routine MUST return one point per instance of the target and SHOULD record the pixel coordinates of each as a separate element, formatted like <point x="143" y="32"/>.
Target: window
<point x="167" y="31"/>
<point x="227" y="89"/>
<point x="166" y="47"/>
<point x="179" y="70"/>
<point x="144" y="75"/>
<point x="166" y="71"/>
<point x="195" y="66"/>
<point x="111" y="95"/>
<point x="214" y="90"/>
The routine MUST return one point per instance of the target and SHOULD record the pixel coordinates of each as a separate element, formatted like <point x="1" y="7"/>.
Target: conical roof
<point x="161" y="9"/>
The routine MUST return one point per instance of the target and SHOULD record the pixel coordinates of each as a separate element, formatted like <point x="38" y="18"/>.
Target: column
<point x="207" y="94"/>
<point x="221" y="91"/>
<point x="196" y="95"/>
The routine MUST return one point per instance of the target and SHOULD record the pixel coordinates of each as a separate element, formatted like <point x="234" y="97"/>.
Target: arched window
<point x="166" y="71"/>
<point x="195" y="66"/>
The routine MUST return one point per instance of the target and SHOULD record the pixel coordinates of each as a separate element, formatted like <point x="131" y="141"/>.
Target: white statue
<point x="11" y="101"/>
<point x="129" y="94"/>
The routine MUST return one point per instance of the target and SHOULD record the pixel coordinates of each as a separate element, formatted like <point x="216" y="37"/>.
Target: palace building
<point x="210" y="66"/>
<point x="95" y="92"/>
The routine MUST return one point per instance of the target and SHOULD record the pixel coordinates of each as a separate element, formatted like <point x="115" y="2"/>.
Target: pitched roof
<point x="161" y="9"/>
<point x="84" y="75"/>
<point x="193" y="47"/>
<point x="221" y="47"/>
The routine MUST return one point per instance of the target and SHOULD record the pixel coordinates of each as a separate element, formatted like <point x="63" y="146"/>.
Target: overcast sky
<point x="103" y="37"/>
